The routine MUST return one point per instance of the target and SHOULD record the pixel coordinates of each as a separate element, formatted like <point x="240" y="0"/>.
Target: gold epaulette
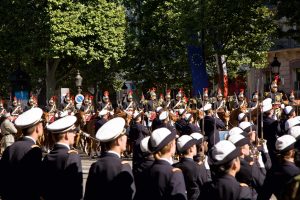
<point x="72" y="151"/>
<point x="243" y="185"/>
<point x="176" y="170"/>
<point x="124" y="162"/>
<point x="34" y="146"/>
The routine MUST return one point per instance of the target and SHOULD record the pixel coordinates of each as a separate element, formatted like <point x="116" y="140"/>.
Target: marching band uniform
<point x="62" y="166"/>
<point x="22" y="160"/>
<point x="109" y="172"/>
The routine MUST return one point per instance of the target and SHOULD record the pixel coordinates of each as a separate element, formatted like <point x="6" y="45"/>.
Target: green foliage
<point x="87" y="30"/>
<point x="159" y="32"/>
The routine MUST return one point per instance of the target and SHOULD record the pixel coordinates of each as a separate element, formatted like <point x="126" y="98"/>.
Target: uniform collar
<point x="170" y="161"/>
<point x="31" y="138"/>
<point x="115" y="153"/>
<point x="63" y="144"/>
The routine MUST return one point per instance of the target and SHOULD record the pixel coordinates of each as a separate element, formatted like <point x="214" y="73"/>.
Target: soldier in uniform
<point x="179" y="102"/>
<point x="221" y="103"/>
<point x="109" y="172"/>
<point x="278" y="179"/>
<point x="212" y="125"/>
<point x="162" y="180"/>
<point x="292" y="101"/>
<point x="67" y="105"/>
<point x="152" y="104"/>
<point x="62" y="166"/>
<point x="87" y="107"/>
<point x="16" y="109"/>
<point x="242" y="102"/>
<point x="205" y="97"/>
<point x="137" y="130"/>
<point x="194" y="174"/>
<point x="32" y="103"/>
<point x="226" y="163"/>
<point x="51" y="109"/>
<point x="130" y="104"/>
<point x="275" y="95"/>
<point x="8" y="131"/>
<point x="254" y="101"/>
<point x="190" y="126"/>
<point x="106" y="104"/>
<point x="104" y="116"/>
<point x="168" y="102"/>
<point x="22" y="160"/>
<point x="2" y="109"/>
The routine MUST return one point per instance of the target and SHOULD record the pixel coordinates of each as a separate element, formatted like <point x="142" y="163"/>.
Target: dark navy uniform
<point x="164" y="182"/>
<point x="191" y="128"/>
<point x="62" y="174"/>
<point x="180" y="124"/>
<point x="99" y="124"/>
<point x="156" y="123"/>
<point x="277" y="179"/>
<point x="225" y="187"/>
<point x="210" y="132"/>
<point x="109" y="179"/>
<point x="138" y="132"/>
<point x="271" y="130"/>
<point x="21" y="171"/>
<point x="194" y="175"/>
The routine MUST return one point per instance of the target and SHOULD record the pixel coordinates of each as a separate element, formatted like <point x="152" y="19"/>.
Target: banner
<point x="198" y="70"/>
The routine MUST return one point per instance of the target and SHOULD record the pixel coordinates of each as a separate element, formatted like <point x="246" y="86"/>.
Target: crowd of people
<point x="176" y="144"/>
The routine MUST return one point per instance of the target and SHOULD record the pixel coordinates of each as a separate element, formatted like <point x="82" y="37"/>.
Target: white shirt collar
<point x="113" y="152"/>
<point x="64" y="145"/>
<point x="168" y="160"/>
<point x="31" y="139"/>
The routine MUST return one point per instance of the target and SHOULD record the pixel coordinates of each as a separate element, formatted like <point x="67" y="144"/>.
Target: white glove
<point x="206" y="163"/>
<point x="260" y="161"/>
<point x="265" y="147"/>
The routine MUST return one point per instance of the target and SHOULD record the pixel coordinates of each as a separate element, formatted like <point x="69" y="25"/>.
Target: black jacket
<point x="21" y="171"/>
<point x="62" y="174"/>
<point x="109" y="179"/>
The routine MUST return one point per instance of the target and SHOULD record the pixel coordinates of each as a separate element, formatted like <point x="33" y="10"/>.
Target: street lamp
<point x="275" y="66"/>
<point x="78" y="82"/>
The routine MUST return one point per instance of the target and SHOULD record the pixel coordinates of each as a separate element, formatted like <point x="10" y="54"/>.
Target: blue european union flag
<point x="198" y="70"/>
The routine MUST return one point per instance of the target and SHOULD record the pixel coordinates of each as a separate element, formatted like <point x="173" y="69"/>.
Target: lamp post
<point x="78" y="82"/>
<point x="275" y="66"/>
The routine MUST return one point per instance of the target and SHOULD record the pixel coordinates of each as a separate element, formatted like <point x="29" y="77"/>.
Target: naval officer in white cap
<point x="62" y="169"/>
<point x="21" y="162"/>
<point x="163" y="181"/>
<point x="109" y="177"/>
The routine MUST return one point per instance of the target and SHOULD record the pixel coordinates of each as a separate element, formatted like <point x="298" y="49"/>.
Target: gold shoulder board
<point x="72" y="152"/>
<point x="34" y="146"/>
<point x="176" y="170"/>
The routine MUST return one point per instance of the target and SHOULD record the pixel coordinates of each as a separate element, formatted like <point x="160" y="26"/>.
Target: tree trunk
<point x="51" y="67"/>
